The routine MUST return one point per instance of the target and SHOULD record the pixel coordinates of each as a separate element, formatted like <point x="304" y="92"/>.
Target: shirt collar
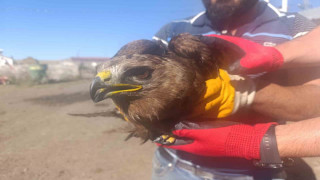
<point x="200" y="19"/>
<point x="267" y="13"/>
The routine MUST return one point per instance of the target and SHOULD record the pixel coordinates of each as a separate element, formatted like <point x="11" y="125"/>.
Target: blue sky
<point x="58" y="29"/>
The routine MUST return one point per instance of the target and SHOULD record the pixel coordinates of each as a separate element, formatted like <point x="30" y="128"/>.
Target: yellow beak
<point x="102" y="87"/>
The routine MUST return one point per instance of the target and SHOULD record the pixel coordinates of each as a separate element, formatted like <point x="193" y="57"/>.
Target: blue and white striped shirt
<point x="269" y="28"/>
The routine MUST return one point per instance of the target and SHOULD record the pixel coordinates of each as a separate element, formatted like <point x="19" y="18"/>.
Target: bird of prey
<point x="155" y="86"/>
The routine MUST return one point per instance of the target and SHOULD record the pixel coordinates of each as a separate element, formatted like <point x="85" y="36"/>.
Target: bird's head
<point x="154" y="88"/>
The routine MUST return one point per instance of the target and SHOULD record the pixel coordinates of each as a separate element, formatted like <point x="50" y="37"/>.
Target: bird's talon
<point x="171" y="140"/>
<point x="164" y="137"/>
<point x="165" y="140"/>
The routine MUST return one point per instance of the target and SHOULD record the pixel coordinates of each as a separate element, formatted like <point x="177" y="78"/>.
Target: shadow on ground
<point x="61" y="99"/>
<point x="98" y="114"/>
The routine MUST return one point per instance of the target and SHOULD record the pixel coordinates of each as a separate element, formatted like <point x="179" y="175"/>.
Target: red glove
<point x="254" y="58"/>
<point x="206" y="139"/>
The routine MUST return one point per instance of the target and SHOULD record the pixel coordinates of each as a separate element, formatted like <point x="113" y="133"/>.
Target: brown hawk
<point x="154" y="86"/>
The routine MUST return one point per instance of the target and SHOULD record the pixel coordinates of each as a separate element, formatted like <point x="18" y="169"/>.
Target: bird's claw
<point x="165" y="140"/>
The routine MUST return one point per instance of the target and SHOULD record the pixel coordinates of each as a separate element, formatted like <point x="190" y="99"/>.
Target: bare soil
<point x="55" y="131"/>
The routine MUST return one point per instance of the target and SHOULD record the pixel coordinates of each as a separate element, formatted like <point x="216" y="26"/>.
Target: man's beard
<point x="222" y="12"/>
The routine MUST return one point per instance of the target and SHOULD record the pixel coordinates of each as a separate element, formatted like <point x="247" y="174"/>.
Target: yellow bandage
<point x="218" y="100"/>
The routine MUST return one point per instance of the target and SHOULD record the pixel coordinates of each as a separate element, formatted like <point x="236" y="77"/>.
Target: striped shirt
<point x="269" y="28"/>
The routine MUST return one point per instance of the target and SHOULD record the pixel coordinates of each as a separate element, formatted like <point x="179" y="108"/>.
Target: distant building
<point x="6" y="65"/>
<point x="5" y="61"/>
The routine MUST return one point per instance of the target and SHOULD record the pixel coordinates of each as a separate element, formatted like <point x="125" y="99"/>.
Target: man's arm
<point x="303" y="51"/>
<point x="255" y="58"/>
<point x="298" y="98"/>
<point x="287" y="103"/>
<point x="301" y="99"/>
<point x="229" y="139"/>
<point x="299" y="139"/>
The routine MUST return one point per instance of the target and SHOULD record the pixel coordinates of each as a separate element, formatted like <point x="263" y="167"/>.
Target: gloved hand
<point x="217" y="139"/>
<point x="252" y="57"/>
<point x="224" y="95"/>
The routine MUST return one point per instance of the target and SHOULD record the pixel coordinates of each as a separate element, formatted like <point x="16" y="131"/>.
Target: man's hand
<point x="251" y="58"/>
<point x="219" y="138"/>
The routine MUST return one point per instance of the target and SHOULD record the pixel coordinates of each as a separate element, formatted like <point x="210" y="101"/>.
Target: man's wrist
<point x="269" y="154"/>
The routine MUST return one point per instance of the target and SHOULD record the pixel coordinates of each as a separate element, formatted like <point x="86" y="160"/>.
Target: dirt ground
<point x="55" y="131"/>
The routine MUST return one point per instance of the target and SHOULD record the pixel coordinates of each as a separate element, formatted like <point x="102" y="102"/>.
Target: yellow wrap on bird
<point x="218" y="100"/>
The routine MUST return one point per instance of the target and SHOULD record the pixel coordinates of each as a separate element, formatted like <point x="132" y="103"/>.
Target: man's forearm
<point x="303" y="51"/>
<point x="299" y="139"/>
<point x="287" y="103"/>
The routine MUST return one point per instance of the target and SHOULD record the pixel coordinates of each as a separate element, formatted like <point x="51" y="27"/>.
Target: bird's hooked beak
<point x="102" y="87"/>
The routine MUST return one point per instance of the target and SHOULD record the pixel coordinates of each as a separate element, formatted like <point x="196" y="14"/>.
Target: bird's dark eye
<point x="145" y="75"/>
<point x="139" y="74"/>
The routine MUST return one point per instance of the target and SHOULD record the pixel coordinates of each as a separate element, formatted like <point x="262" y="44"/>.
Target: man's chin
<point x="226" y="10"/>
<point x="220" y="13"/>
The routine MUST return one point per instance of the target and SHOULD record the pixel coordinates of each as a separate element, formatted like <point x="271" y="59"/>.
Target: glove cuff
<point x="244" y="140"/>
<point x="277" y="59"/>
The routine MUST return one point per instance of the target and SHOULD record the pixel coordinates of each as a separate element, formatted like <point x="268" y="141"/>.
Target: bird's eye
<point x="139" y="74"/>
<point x="144" y="75"/>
